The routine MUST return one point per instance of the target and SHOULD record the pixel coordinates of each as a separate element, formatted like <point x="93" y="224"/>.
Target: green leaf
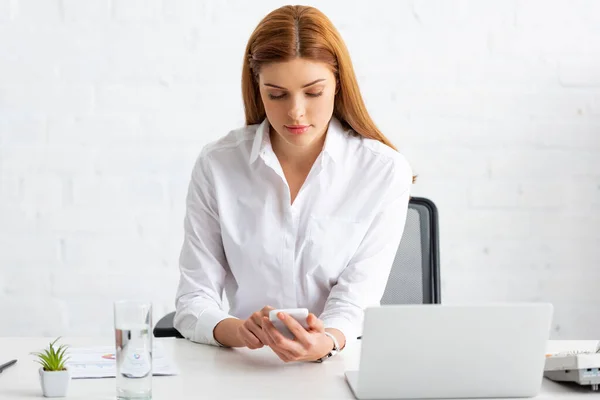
<point x="54" y="357"/>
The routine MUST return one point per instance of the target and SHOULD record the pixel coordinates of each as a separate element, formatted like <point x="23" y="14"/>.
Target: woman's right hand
<point x="251" y="333"/>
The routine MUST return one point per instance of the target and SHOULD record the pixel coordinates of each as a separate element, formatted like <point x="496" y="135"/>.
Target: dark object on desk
<point x="6" y="365"/>
<point x="164" y="327"/>
<point x="415" y="275"/>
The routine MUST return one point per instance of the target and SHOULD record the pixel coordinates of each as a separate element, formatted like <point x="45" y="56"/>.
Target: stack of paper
<point x="99" y="362"/>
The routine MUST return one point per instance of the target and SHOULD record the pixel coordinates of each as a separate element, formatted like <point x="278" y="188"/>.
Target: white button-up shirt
<point x="330" y="251"/>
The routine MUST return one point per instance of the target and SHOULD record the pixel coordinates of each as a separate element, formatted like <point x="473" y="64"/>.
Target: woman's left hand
<point x="308" y="345"/>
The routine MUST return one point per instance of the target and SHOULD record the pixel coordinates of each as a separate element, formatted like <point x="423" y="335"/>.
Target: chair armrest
<point x="164" y="327"/>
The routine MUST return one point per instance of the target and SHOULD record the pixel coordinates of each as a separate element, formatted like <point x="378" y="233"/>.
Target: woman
<point x="304" y="207"/>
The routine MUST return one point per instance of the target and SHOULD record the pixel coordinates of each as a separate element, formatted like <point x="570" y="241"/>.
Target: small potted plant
<point x="54" y="375"/>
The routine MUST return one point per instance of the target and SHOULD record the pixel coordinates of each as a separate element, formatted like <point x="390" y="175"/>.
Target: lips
<point x="297" y="129"/>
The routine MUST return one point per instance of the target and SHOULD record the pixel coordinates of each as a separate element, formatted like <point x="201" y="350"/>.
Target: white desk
<point x="215" y="373"/>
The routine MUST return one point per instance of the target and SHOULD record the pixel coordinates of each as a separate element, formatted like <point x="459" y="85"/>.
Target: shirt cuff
<point x="346" y="327"/>
<point x="205" y="326"/>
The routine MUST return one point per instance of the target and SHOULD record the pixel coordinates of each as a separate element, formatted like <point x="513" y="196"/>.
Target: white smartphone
<point x="299" y="314"/>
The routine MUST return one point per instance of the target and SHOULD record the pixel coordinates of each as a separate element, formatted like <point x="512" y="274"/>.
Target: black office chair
<point x="415" y="274"/>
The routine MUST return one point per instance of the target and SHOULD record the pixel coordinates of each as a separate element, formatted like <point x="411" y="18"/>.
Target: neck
<point x="298" y="158"/>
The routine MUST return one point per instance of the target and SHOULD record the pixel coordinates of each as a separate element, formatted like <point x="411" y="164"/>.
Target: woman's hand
<point x="308" y="345"/>
<point x="251" y="331"/>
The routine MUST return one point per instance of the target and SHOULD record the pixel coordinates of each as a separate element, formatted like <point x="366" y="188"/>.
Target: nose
<point x="297" y="110"/>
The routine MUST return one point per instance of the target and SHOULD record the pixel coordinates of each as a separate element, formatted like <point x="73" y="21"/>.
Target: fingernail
<point x="281" y="316"/>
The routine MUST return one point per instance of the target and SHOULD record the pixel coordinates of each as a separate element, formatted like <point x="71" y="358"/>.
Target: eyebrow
<point x="307" y="85"/>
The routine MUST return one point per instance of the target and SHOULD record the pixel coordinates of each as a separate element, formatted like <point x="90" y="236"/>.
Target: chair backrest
<point x="415" y="275"/>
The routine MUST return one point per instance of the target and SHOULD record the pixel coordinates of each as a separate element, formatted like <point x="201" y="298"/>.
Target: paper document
<point x="99" y="362"/>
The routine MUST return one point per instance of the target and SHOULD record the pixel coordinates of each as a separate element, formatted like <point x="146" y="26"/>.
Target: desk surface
<point x="208" y="372"/>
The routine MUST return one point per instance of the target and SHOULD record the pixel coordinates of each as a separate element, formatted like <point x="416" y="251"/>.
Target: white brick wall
<point x="104" y="104"/>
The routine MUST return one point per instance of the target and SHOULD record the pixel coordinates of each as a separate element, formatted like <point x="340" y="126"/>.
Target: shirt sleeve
<point x="364" y="279"/>
<point x="202" y="261"/>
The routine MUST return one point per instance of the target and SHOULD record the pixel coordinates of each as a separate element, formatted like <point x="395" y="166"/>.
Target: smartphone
<point x="299" y="314"/>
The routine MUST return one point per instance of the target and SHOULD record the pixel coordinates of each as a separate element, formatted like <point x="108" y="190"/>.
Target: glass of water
<point x="133" y="340"/>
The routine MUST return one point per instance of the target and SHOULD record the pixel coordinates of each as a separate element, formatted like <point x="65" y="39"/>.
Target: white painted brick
<point x="518" y="194"/>
<point x="580" y="134"/>
<point x="83" y="220"/>
<point x="160" y="225"/>
<point x="43" y="192"/>
<point x="442" y="102"/>
<point x="580" y="72"/>
<point x="10" y="190"/>
<point x="7" y="10"/>
<point x="133" y="54"/>
<point x="34" y="11"/>
<point x="62" y="160"/>
<point x="187" y="12"/>
<point x="447" y="194"/>
<point x="116" y="285"/>
<point x="94" y="130"/>
<point x="468" y="132"/>
<point x="134" y="68"/>
<point x="584" y="195"/>
<point x="551" y="41"/>
<point x="177" y="188"/>
<point x="22" y="129"/>
<point x="448" y="162"/>
<point x="568" y="287"/>
<point x="145" y="98"/>
<point x="237" y="12"/>
<point x="101" y="321"/>
<point x="33" y="315"/>
<point x="80" y="69"/>
<point x="110" y="287"/>
<point x="503" y="72"/>
<point x="470" y="224"/>
<point x="595" y="107"/>
<point x="180" y="127"/>
<point x="377" y="15"/>
<point x="26" y="68"/>
<point x="573" y="320"/>
<point x="156" y="39"/>
<point x="172" y="160"/>
<point x="557" y="13"/>
<point x="545" y="104"/>
<point x="30" y="57"/>
<point x="22" y="250"/>
<point x="90" y="11"/>
<point x="137" y="10"/>
<point x="111" y="191"/>
<point x="16" y="280"/>
<point x="486" y="13"/>
<point x="519" y="224"/>
<point x="510" y="255"/>
<point x="46" y="98"/>
<point x="543" y="163"/>
<point x="506" y="288"/>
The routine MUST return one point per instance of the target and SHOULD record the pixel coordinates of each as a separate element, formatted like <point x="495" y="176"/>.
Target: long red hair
<point x="300" y="31"/>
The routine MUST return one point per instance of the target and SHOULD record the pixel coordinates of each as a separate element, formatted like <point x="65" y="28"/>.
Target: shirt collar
<point x="261" y="140"/>
<point x="334" y="140"/>
<point x="333" y="146"/>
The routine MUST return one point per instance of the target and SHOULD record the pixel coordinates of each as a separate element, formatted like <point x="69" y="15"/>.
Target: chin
<point x="301" y="141"/>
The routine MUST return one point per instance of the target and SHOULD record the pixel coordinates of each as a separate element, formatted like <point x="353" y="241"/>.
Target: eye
<point x="276" y="97"/>
<point x="314" y="94"/>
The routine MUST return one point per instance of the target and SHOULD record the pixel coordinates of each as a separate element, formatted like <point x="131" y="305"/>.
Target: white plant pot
<point x="55" y="383"/>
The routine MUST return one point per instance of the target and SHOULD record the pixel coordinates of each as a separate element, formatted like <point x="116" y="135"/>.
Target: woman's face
<point x="298" y="96"/>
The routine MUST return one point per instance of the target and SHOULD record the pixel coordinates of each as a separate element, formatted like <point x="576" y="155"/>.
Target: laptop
<point x="452" y="351"/>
